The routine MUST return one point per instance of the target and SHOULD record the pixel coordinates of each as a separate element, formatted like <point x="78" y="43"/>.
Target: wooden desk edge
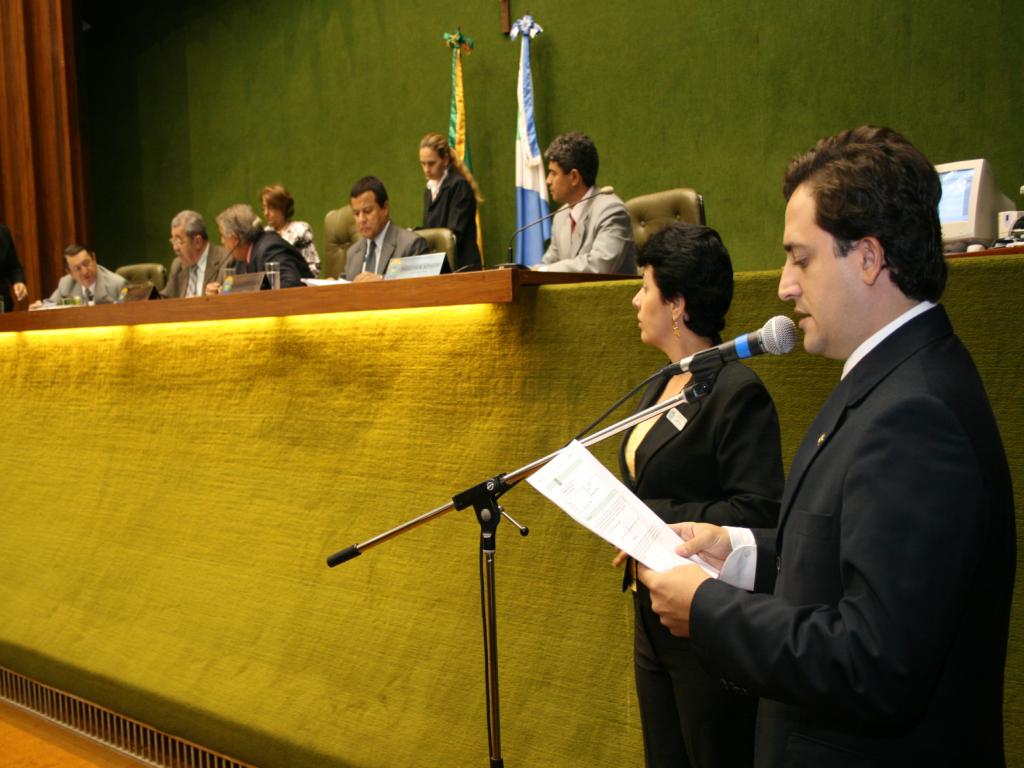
<point x="499" y="286"/>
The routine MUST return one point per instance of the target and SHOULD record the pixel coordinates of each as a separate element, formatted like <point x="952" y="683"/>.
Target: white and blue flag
<point x="531" y="190"/>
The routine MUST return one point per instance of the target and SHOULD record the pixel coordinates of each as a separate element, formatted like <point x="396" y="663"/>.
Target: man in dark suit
<point x="876" y="633"/>
<point x="381" y="240"/>
<point x="11" y="273"/>
<point x="197" y="262"/>
<point x="251" y="248"/>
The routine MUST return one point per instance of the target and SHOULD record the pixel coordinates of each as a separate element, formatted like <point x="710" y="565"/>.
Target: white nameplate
<point x="677" y="419"/>
<point x="423" y="265"/>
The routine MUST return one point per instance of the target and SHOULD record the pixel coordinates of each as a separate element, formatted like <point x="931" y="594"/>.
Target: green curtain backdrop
<point x="192" y="104"/>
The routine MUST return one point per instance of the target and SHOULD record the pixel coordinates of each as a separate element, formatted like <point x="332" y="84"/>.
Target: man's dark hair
<point x="575" y="150"/>
<point x="691" y="261"/>
<point x="74" y="249"/>
<point x="370" y="184"/>
<point x="872" y="182"/>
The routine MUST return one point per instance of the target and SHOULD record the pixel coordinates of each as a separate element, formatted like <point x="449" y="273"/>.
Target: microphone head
<point x="606" y="190"/>
<point x="778" y="335"/>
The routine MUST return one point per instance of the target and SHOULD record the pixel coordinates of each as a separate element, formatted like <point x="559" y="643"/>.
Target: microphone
<point x="776" y="337"/>
<point x="545" y="217"/>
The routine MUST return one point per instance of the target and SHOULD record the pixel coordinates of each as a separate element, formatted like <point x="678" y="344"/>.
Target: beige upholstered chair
<point x="441" y="240"/>
<point x="140" y="273"/>
<point x="340" y="232"/>
<point x="649" y="213"/>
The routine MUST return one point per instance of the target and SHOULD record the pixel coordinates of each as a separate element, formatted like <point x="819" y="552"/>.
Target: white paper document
<point x="596" y="499"/>
<point x="318" y="281"/>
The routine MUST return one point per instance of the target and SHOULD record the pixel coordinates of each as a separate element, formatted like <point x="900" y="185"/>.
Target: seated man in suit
<point x="87" y="281"/>
<point x="251" y="247"/>
<point x="876" y="633"/>
<point x="368" y="258"/>
<point x="592" y="235"/>
<point x="198" y="262"/>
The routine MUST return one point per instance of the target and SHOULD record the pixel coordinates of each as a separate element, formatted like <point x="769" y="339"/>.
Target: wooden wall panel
<point x="42" y="191"/>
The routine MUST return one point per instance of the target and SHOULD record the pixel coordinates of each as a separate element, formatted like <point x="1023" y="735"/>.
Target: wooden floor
<point x="29" y="741"/>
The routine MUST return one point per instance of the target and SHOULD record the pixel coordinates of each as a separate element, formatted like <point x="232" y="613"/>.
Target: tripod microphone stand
<point x="483" y="497"/>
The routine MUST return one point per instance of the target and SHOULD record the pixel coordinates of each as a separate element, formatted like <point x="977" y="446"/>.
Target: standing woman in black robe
<point x="451" y="197"/>
<point x="717" y="459"/>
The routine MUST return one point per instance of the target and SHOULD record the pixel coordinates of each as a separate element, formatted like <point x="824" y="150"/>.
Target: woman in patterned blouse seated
<point x="278" y="209"/>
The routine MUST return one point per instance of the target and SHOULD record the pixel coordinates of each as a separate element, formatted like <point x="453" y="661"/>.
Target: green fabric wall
<point x="199" y="104"/>
<point x="170" y="493"/>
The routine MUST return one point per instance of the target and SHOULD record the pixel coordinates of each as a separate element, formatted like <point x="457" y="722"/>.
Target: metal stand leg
<point x="484" y="499"/>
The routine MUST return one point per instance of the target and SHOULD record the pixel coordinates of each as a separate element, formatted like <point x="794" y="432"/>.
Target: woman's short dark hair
<point x="276" y="196"/>
<point x="691" y="261"/>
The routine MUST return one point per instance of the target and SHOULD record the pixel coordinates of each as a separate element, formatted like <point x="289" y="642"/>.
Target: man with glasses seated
<point x="197" y="261"/>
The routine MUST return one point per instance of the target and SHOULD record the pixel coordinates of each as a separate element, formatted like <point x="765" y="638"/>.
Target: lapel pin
<point x="821" y="439"/>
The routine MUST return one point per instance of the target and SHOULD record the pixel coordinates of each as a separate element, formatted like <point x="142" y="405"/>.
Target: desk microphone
<point x="512" y="240"/>
<point x="776" y="337"/>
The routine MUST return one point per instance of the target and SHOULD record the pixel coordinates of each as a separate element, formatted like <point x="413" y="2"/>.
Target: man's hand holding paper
<point x="591" y="495"/>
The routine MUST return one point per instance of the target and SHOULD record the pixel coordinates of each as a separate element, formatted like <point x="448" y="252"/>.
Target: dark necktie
<point x="371" y="256"/>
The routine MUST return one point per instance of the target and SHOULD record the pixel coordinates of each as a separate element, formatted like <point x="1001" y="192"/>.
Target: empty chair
<point x="141" y="273"/>
<point x="340" y="232"/>
<point x="441" y="240"/>
<point x="650" y="213"/>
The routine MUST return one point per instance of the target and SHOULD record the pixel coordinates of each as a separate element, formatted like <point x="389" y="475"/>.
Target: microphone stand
<point x="483" y="497"/>
<point x="551" y="215"/>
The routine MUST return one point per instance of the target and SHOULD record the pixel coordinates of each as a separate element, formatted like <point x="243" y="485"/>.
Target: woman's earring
<point x="675" y="328"/>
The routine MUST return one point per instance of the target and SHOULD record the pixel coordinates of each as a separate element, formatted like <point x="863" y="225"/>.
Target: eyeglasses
<point x="177" y="240"/>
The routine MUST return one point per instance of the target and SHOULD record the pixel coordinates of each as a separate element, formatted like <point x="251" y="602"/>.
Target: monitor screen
<point x="970" y="203"/>
<point x="955" y="204"/>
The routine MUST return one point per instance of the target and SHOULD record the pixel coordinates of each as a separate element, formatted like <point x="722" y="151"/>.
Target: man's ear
<point x="576" y="177"/>
<point x="872" y="258"/>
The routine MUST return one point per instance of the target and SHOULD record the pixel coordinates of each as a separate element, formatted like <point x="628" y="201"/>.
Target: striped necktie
<point x="193" y="279"/>
<point x="371" y="256"/>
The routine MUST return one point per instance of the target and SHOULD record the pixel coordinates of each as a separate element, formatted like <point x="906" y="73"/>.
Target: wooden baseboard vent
<point x="128" y="736"/>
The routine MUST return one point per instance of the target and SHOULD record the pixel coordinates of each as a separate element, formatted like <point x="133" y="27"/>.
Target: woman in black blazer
<point x="717" y="460"/>
<point x="451" y="197"/>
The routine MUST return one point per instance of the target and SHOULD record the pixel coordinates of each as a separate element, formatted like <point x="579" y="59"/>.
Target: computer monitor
<point x="970" y="204"/>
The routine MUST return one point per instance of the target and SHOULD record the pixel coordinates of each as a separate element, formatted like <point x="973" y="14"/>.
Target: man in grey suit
<point x="382" y="241"/>
<point x="87" y="281"/>
<point x="197" y="263"/>
<point x="368" y="258"/>
<point x="592" y="231"/>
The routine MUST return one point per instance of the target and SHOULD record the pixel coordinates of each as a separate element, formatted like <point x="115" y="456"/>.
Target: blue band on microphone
<point x="742" y="346"/>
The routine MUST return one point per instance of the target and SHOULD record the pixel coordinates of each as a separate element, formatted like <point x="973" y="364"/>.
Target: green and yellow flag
<point x="458" y="138"/>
